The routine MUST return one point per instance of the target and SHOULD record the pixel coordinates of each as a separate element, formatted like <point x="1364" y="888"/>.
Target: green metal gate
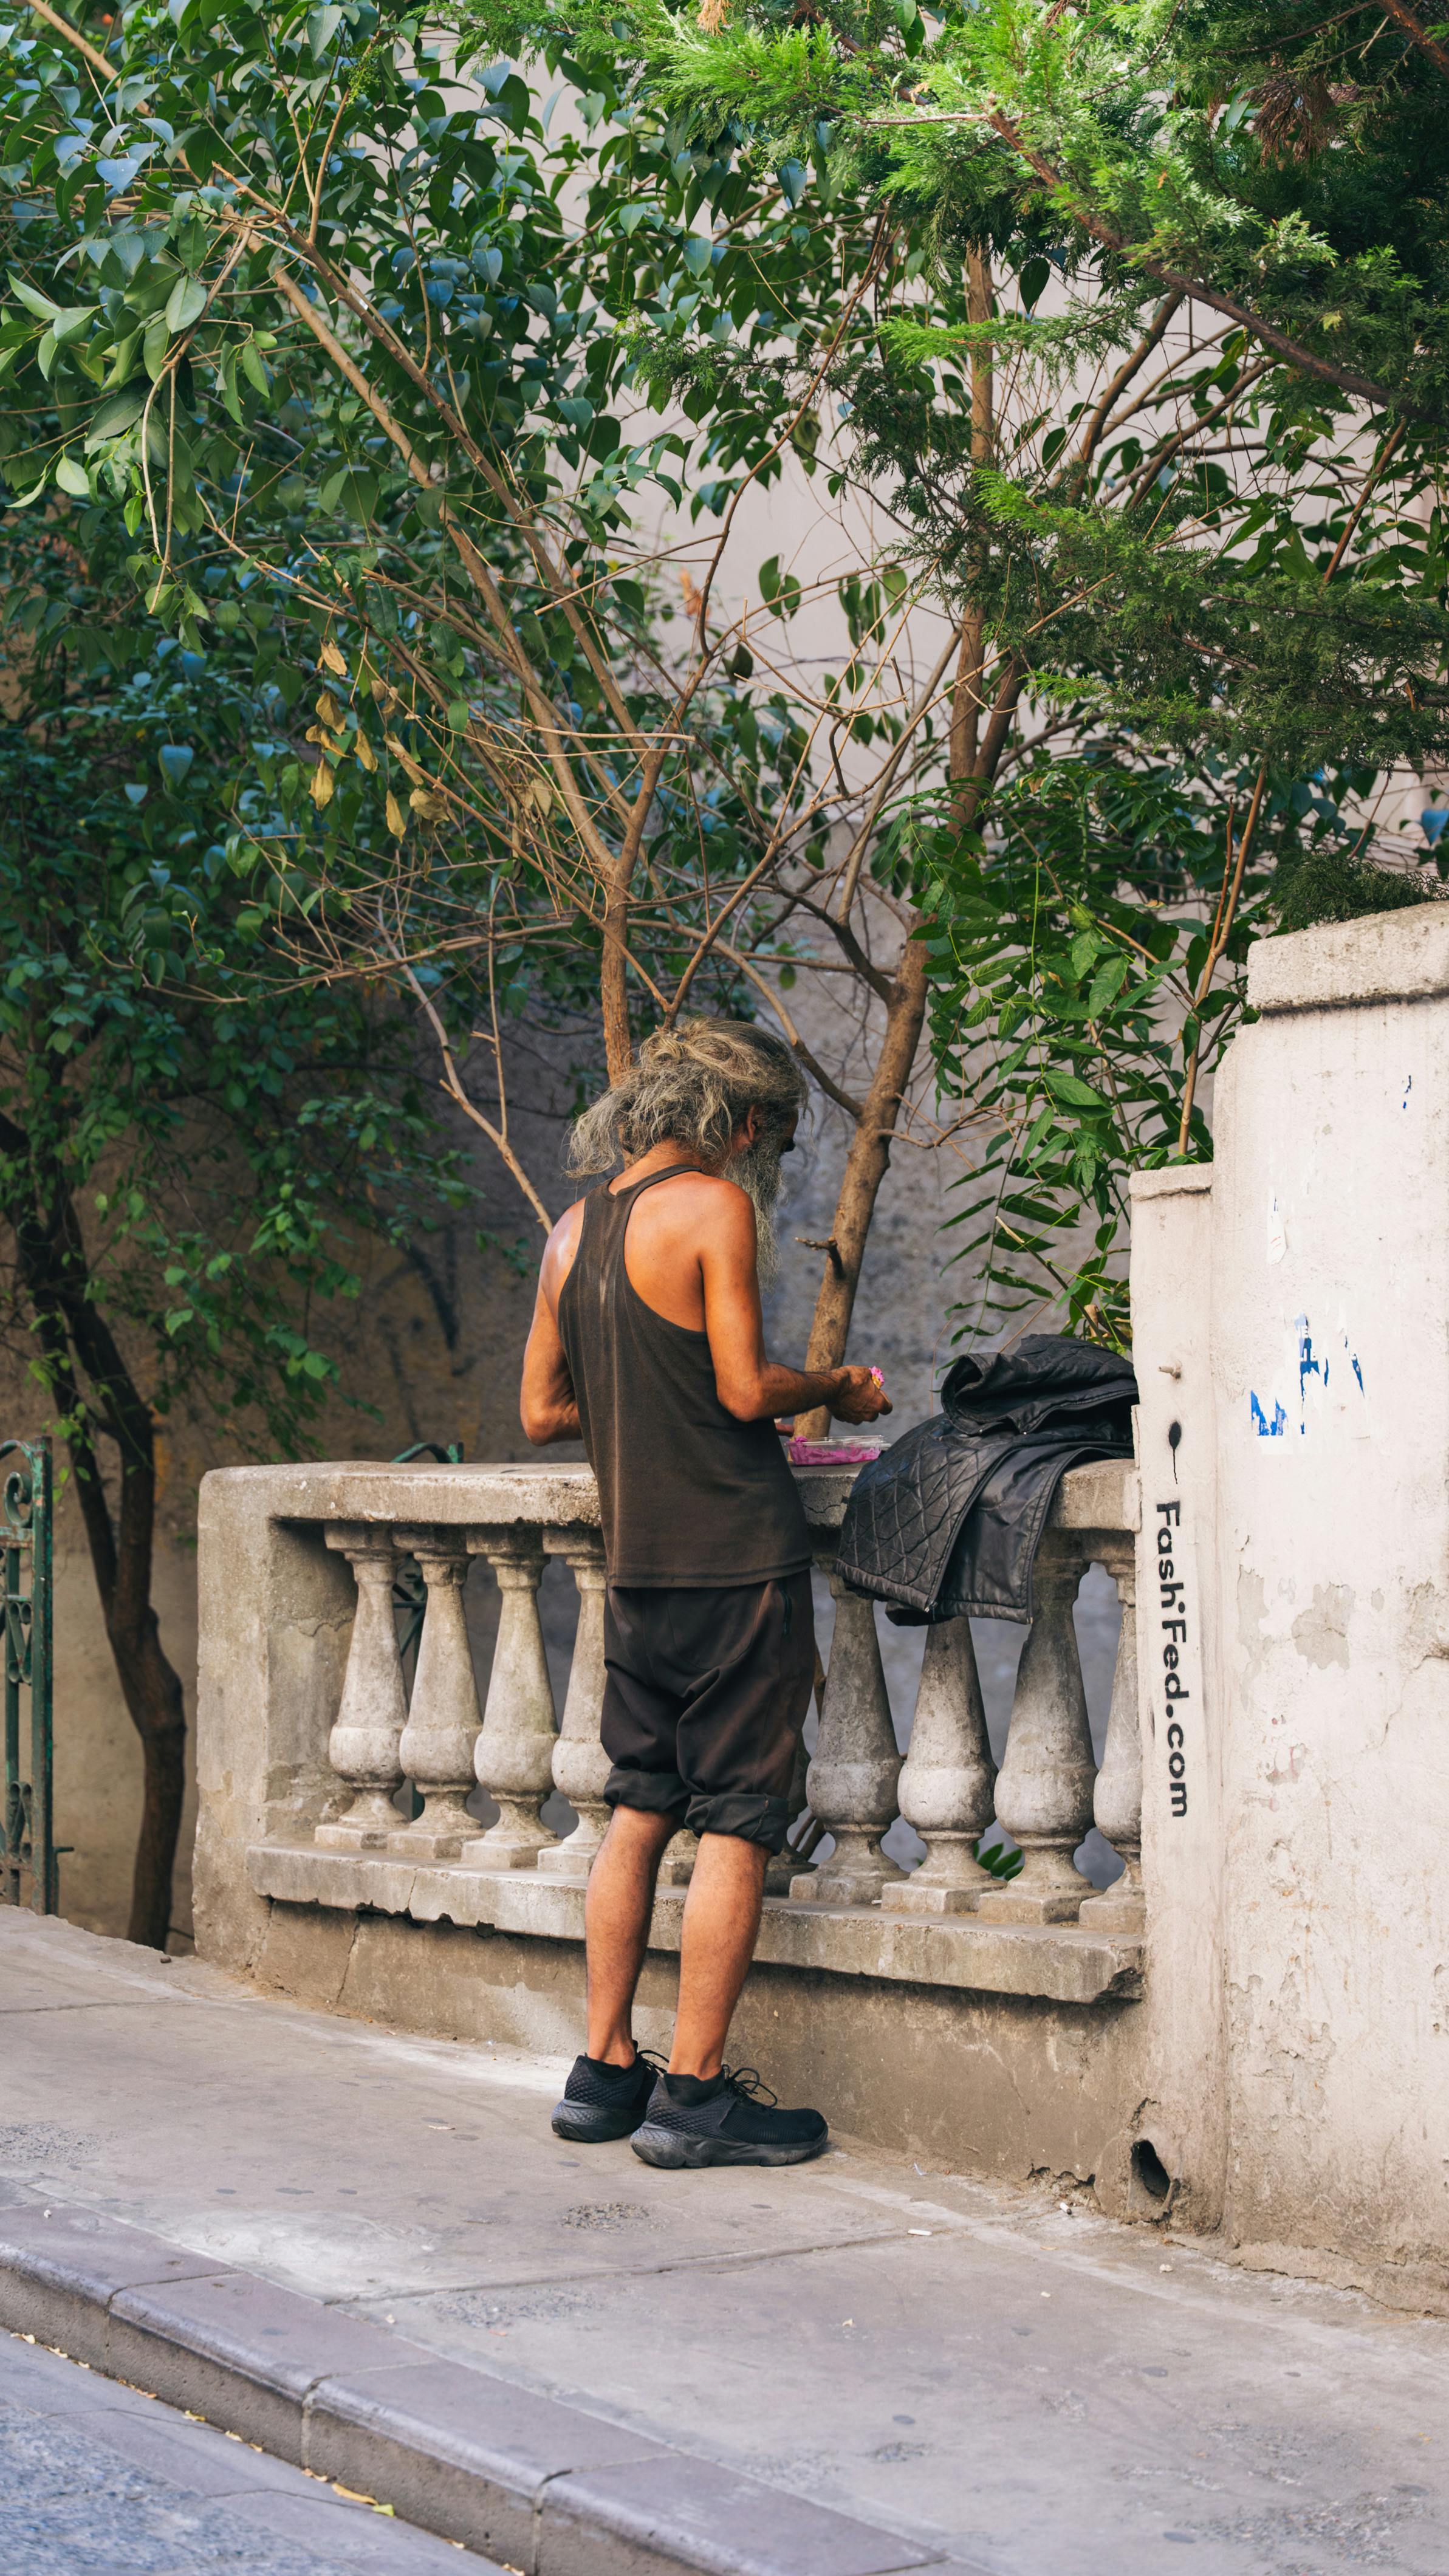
<point x="30" y="1874"/>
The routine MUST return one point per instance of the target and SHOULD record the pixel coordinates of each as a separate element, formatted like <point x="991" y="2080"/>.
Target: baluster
<point x="852" y="1779"/>
<point x="514" y="1758"/>
<point x="363" y="1745"/>
<point x="783" y="1866"/>
<point x="676" y="1869"/>
<point x="580" y="1764"/>
<point x="437" y="1742"/>
<point x="1044" y="1789"/>
<point x="947" y="1783"/>
<point x="1117" y="1804"/>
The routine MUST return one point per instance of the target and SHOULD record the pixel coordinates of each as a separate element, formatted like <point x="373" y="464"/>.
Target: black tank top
<point x="687" y="1495"/>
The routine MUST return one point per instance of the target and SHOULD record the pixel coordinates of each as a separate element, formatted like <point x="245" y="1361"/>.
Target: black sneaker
<point x="726" y="2119"/>
<point x="602" y="2102"/>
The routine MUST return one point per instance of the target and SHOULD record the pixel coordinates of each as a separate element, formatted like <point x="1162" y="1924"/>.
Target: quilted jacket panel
<point x="947" y="1521"/>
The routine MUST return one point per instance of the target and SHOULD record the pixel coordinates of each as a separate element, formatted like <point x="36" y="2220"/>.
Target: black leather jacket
<point x="947" y="1521"/>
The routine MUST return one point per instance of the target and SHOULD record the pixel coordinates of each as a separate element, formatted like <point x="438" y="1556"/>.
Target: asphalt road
<point x="99" y="2480"/>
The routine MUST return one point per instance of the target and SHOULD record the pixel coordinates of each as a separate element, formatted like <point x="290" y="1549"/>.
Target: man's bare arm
<point x="752" y="1387"/>
<point x="547" y="1405"/>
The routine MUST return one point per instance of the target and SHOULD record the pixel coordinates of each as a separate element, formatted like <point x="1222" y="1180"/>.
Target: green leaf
<point x="1107" y="983"/>
<point x="185" y="305"/>
<point x="72" y="323"/>
<point x="1072" y="1094"/>
<point x="72" y="477"/>
<point x="120" y="413"/>
<point x="32" y="299"/>
<point x="322" y="26"/>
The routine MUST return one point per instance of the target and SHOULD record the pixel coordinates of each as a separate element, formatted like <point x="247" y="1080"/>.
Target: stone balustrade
<point x="514" y="1748"/>
<point x="407" y="1835"/>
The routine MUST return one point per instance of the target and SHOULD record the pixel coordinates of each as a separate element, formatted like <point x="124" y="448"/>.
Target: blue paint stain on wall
<point x="1311" y="1364"/>
<point x="1408" y="1087"/>
<point x="1308" y="1366"/>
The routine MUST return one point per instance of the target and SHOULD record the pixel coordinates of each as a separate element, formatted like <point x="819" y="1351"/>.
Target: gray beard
<point x="758" y="1170"/>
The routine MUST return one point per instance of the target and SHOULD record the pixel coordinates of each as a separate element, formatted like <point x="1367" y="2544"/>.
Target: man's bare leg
<point x="617" y="1909"/>
<point x="717" y="1943"/>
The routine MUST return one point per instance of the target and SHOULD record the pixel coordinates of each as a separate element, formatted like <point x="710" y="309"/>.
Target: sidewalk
<point x="839" y="2370"/>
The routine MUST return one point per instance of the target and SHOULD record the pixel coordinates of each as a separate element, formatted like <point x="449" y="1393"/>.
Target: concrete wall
<point x="1302" y="2066"/>
<point x="1007" y="2085"/>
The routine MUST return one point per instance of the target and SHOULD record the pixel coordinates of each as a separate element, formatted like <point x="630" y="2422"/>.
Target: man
<point x="647" y="1342"/>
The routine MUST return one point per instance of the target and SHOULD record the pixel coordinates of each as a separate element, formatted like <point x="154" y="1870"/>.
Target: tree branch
<point x="1345" y="378"/>
<point x="1135" y="359"/>
<point x="853" y="1108"/>
<point x="452" y="1084"/>
<point x="73" y="36"/>
<point x="1403" y="18"/>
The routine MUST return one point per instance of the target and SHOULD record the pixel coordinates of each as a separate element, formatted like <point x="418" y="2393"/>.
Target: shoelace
<point x="744" y="2082"/>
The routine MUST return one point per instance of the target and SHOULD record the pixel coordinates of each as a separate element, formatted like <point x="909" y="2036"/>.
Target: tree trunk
<point x="865" y="1168"/>
<point x="96" y="1394"/>
<point x="613" y="980"/>
<point x="121" y="1557"/>
<point x="158" y="1711"/>
<point x="973" y="759"/>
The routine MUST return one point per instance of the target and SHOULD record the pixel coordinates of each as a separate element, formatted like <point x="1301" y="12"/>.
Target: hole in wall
<point x="1149" y="2171"/>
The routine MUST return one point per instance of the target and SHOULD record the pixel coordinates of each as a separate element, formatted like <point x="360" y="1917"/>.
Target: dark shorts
<point x="705" y="1696"/>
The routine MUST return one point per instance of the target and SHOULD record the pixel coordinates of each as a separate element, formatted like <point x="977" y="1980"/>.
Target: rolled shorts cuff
<point x="656" y="1793"/>
<point x="748" y="1814"/>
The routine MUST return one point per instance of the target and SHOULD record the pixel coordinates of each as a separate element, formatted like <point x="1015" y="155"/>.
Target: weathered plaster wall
<point x="1183" y="2113"/>
<point x="1314" y="1475"/>
<point x="1331" y="1335"/>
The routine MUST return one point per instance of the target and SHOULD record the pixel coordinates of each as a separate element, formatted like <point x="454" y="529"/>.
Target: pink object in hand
<point x="832" y="1453"/>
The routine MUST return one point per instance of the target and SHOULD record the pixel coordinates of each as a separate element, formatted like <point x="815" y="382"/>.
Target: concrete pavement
<point x="1003" y="2379"/>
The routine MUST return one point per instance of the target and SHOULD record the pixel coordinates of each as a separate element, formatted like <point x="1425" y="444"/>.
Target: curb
<point x="550" y="2490"/>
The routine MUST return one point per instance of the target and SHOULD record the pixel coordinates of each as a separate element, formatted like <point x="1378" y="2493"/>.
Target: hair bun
<point x="664" y="1047"/>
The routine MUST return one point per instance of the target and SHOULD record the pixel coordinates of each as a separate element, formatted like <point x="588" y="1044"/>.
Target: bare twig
<point x="451" y="1082"/>
<point x="1221" y="933"/>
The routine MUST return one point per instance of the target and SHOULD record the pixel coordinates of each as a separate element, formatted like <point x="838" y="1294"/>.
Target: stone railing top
<point x="1390" y="957"/>
<point x="563" y="1495"/>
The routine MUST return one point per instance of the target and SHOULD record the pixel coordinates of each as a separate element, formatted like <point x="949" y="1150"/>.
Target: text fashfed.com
<point x="1174" y="1650"/>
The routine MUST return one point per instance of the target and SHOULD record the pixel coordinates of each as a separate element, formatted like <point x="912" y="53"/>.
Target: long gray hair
<point x="693" y="1085"/>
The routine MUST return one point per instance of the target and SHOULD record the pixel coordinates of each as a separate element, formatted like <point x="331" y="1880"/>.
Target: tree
<point x="184" y="1182"/>
<point x="354" y="365"/>
<point x="1185" y="505"/>
<point x="1083" y="334"/>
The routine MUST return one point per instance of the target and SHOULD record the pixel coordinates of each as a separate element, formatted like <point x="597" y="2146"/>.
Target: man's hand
<point x="859" y="1396"/>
